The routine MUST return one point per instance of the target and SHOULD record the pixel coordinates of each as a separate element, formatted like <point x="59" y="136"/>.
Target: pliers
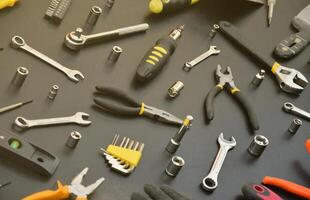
<point x="76" y="189"/>
<point x="131" y="107"/>
<point x="226" y="79"/>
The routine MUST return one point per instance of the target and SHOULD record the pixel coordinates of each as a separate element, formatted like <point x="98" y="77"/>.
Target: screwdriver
<point x="7" y="3"/>
<point x="5" y="184"/>
<point x="14" y="106"/>
<point x="163" y="6"/>
<point x="271" y="4"/>
<point x="155" y="59"/>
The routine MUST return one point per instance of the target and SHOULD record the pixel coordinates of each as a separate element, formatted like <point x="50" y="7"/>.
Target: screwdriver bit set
<point x="123" y="156"/>
<point x="57" y="9"/>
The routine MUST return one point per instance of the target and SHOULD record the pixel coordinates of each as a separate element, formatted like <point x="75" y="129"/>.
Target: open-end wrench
<point x="210" y="183"/>
<point x="79" y="118"/>
<point x="191" y="64"/>
<point x="19" y="43"/>
<point x="291" y="108"/>
<point x="290" y="80"/>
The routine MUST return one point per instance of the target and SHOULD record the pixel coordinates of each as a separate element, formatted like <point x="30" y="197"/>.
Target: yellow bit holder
<point x="130" y="156"/>
<point x="7" y="3"/>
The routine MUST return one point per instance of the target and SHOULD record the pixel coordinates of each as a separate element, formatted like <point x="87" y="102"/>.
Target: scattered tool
<point x="258" y="145"/>
<point x="291" y="187"/>
<point x="92" y="18"/>
<point x="27" y="154"/>
<point x="20" y="76"/>
<point x="210" y="183"/>
<point x="175" y="166"/>
<point x="296" y="124"/>
<point x="79" y="191"/>
<point x="53" y="92"/>
<point x="7" y="3"/>
<point x="226" y="79"/>
<point x="175" y="89"/>
<point x="157" y="57"/>
<point x="191" y="64"/>
<point x="258" y="78"/>
<point x="163" y="193"/>
<point x="290" y="80"/>
<point x="57" y="10"/>
<point x="115" y="54"/>
<point x="175" y="142"/>
<point x="73" y="139"/>
<point x="308" y="145"/>
<point x="295" y="43"/>
<point x="75" y="40"/>
<point x="19" y="43"/>
<point x="132" y="107"/>
<point x="214" y="31"/>
<point x="110" y="3"/>
<point x="14" y="106"/>
<point x="271" y="5"/>
<point x="78" y="118"/>
<point x="164" y="6"/>
<point x="291" y="108"/>
<point x="253" y="191"/>
<point x="125" y="157"/>
<point x="5" y="184"/>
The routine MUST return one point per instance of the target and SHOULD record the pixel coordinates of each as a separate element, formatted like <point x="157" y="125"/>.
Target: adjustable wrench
<point x="78" y="118"/>
<point x="19" y="43"/>
<point x="210" y="183"/>
<point x="290" y="80"/>
<point x="290" y="108"/>
<point x="191" y="64"/>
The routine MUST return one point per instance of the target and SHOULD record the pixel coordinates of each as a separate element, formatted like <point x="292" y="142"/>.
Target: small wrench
<point x="18" y="42"/>
<point x="290" y="108"/>
<point x="191" y="64"/>
<point x="77" y="118"/>
<point x="210" y="183"/>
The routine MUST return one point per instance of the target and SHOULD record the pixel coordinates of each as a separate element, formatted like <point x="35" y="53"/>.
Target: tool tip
<point x="26" y="102"/>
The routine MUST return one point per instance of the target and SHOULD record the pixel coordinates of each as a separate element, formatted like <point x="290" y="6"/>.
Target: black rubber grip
<point x="116" y="109"/>
<point x="174" y="5"/>
<point x="248" y="109"/>
<point x="234" y="34"/>
<point x="209" y="102"/>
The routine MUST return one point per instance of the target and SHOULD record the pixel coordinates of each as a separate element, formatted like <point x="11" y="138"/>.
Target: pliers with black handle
<point x="226" y="79"/>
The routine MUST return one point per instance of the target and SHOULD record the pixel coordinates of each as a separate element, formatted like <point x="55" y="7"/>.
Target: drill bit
<point x="14" y="106"/>
<point x="271" y="4"/>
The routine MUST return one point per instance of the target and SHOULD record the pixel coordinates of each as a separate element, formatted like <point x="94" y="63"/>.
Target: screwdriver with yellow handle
<point x="7" y="3"/>
<point x="165" y="6"/>
<point x="156" y="58"/>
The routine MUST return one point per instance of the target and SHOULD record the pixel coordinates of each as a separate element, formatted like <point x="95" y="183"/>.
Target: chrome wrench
<point x="291" y="108"/>
<point x="79" y="118"/>
<point x="19" y="43"/>
<point x="210" y="183"/>
<point x="191" y="64"/>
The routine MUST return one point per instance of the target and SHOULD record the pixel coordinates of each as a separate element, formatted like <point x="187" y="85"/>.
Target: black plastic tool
<point x="27" y="154"/>
<point x="258" y="192"/>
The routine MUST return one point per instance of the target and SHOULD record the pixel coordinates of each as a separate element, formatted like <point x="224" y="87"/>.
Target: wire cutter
<point x="226" y="79"/>
<point x="131" y="107"/>
<point x="76" y="189"/>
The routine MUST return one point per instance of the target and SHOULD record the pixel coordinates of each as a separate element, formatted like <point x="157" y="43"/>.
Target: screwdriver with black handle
<point x="156" y="58"/>
<point x="164" y="6"/>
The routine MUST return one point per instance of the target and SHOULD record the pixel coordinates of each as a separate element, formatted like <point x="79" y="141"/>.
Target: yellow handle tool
<point x="161" y="6"/>
<point x="7" y="3"/>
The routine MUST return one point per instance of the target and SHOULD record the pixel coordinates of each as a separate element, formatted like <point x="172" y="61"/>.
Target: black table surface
<point x="285" y="157"/>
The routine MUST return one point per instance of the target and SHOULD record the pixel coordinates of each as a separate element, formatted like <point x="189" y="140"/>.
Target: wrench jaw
<point x="288" y="107"/>
<point x="187" y="66"/>
<point x="21" y="123"/>
<point x="209" y="183"/>
<point x="17" y="42"/>
<point x="81" y="118"/>
<point x="291" y="80"/>
<point x="223" y="142"/>
<point x="75" y="75"/>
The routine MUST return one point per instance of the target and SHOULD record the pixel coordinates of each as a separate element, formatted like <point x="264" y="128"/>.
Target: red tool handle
<point x="308" y="145"/>
<point x="253" y="191"/>
<point x="288" y="186"/>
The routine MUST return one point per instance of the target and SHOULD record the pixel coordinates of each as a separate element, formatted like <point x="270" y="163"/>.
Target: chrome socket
<point x="92" y="18"/>
<point x="175" y="89"/>
<point x="73" y="139"/>
<point x="53" y="92"/>
<point x="258" y="78"/>
<point x="214" y="30"/>
<point x="114" y="54"/>
<point x="296" y="124"/>
<point x="110" y="3"/>
<point x="175" y="166"/>
<point x="258" y="145"/>
<point x="20" y="76"/>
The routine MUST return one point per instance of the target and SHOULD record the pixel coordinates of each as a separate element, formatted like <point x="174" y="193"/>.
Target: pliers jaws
<point x="224" y="77"/>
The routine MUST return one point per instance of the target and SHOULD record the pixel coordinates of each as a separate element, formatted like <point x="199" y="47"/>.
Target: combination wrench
<point x="210" y="183"/>
<point x="191" y="64"/>
<point x="291" y="108"/>
<point x="19" y="43"/>
<point x="79" y="118"/>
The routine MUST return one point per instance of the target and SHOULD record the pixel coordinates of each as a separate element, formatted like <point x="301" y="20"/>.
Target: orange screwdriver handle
<point x="61" y="193"/>
<point x="81" y="198"/>
<point x="291" y="187"/>
<point x="308" y="145"/>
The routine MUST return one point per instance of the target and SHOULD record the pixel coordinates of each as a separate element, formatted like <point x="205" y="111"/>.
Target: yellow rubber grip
<point x="274" y="68"/>
<point x="194" y="1"/>
<point x="161" y="49"/>
<point x="157" y="53"/>
<point x="234" y="90"/>
<point x="142" y="109"/>
<point x="7" y="3"/>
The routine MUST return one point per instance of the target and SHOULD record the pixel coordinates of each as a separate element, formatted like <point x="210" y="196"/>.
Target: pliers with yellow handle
<point x="226" y="79"/>
<point x="165" y="6"/>
<point x="76" y="189"/>
<point x="7" y="3"/>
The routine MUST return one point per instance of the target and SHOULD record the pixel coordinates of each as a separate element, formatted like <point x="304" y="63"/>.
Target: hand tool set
<point x="124" y="154"/>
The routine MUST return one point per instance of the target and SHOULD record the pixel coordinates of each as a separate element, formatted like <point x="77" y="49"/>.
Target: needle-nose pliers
<point x="131" y="107"/>
<point x="226" y="79"/>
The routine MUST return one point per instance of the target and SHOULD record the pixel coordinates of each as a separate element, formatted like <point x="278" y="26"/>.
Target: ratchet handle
<point x="248" y="109"/>
<point x="61" y="193"/>
<point x="233" y="33"/>
<point x="291" y="187"/>
<point x="292" y="45"/>
<point x="258" y="192"/>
